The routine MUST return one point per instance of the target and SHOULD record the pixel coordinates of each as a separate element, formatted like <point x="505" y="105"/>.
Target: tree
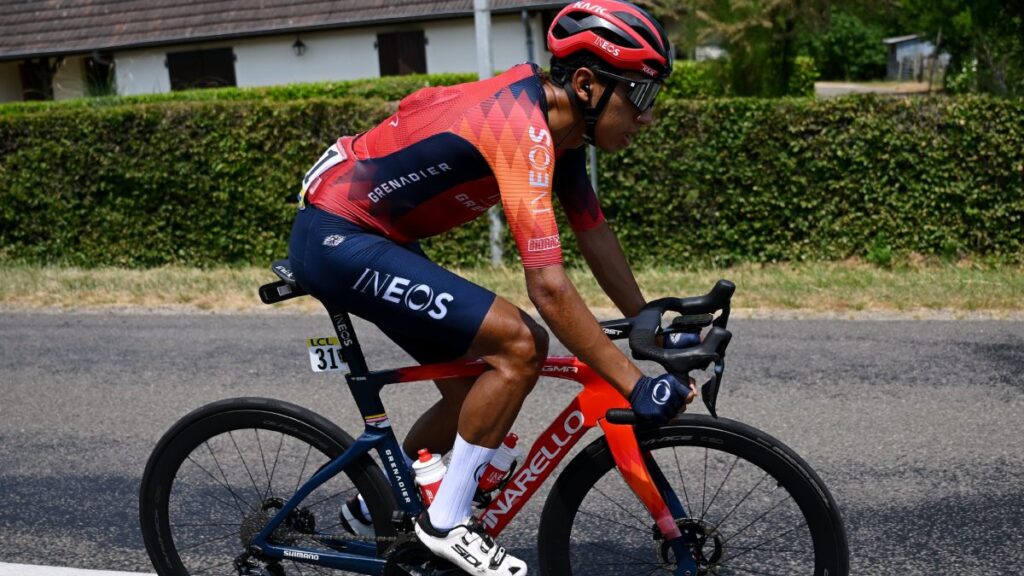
<point x="985" y="39"/>
<point x="761" y="36"/>
<point x="850" y="48"/>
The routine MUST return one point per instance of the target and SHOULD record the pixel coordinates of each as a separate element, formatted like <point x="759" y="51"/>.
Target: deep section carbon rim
<point x="220" y="479"/>
<point x="754" y="508"/>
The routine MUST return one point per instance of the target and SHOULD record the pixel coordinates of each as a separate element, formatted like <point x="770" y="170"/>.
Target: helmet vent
<point x="639" y="27"/>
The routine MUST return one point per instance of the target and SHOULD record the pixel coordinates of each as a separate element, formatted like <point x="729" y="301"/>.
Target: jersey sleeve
<point x="512" y="135"/>
<point x="577" y="196"/>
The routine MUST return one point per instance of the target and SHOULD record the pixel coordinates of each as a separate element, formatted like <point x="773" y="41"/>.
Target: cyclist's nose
<point x="646" y="118"/>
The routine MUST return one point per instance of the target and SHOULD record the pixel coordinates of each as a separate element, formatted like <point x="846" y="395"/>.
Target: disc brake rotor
<point x="708" y="545"/>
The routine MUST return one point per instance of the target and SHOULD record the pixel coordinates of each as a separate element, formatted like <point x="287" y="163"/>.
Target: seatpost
<point x="351" y="353"/>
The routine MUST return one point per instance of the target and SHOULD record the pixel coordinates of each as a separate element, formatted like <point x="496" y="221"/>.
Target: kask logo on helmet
<point x="592" y="7"/>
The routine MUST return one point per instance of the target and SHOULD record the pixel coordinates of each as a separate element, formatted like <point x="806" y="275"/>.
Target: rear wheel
<point x="224" y="470"/>
<point x="755" y="507"/>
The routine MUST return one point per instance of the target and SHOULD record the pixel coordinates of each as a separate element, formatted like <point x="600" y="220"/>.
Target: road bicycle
<point x="254" y="486"/>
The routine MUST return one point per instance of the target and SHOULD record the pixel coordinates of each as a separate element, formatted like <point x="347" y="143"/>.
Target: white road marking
<point x="31" y="570"/>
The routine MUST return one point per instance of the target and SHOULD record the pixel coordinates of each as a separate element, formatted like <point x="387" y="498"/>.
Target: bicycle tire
<point x="592" y="524"/>
<point x="187" y="490"/>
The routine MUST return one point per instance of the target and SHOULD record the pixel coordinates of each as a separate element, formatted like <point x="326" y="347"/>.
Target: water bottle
<point x="429" y="471"/>
<point x="503" y="458"/>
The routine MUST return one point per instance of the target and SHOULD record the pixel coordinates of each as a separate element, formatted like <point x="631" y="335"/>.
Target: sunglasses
<point x="641" y="93"/>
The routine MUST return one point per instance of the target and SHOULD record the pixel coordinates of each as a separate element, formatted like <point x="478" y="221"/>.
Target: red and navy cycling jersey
<point x="450" y="153"/>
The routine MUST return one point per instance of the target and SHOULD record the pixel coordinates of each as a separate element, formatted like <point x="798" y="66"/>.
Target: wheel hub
<point x="706" y="543"/>
<point x="298" y="523"/>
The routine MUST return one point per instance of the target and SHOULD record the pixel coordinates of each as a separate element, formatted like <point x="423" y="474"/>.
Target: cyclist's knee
<point x="541" y="342"/>
<point x="513" y="343"/>
<point x="525" y="353"/>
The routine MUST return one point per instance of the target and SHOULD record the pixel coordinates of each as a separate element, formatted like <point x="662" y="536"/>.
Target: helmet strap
<point x="590" y="113"/>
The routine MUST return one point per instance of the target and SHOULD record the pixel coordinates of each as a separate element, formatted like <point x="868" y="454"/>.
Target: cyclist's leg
<point x="436" y="428"/>
<point x="482" y="409"/>
<point x="514" y="345"/>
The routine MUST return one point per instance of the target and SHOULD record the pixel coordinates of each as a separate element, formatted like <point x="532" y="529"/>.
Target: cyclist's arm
<point x="604" y="255"/>
<point x="568" y="317"/>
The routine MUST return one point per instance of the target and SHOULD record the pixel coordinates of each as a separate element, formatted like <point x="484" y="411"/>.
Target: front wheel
<point x="221" y="472"/>
<point x="754" y="507"/>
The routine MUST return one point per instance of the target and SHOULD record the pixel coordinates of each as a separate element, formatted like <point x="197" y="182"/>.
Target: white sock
<point x="455" y="496"/>
<point x="363" y="508"/>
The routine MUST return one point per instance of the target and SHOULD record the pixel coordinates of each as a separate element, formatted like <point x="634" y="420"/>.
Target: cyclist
<point x="445" y="157"/>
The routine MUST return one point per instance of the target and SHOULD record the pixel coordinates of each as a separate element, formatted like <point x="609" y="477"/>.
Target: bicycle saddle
<point x="283" y="269"/>
<point x="283" y="289"/>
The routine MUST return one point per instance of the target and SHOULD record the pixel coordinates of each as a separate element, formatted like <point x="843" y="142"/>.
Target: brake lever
<point x="709" y="390"/>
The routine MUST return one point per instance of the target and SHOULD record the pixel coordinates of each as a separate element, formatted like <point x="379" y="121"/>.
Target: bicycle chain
<point x="322" y="539"/>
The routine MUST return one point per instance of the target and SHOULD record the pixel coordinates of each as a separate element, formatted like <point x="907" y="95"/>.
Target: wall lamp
<point x="299" y="47"/>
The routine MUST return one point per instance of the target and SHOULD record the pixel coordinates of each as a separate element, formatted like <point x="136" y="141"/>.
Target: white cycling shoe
<point x="469" y="548"/>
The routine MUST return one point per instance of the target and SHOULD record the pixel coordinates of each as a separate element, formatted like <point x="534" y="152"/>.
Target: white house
<point x="65" y="50"/>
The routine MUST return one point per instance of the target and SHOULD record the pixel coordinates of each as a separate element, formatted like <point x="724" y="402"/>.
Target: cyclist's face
<point x="621" y="120"/>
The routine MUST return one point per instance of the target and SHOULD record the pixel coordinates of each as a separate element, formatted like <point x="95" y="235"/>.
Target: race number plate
<point x="329" y="159"/>
<point x="325" y="355"/>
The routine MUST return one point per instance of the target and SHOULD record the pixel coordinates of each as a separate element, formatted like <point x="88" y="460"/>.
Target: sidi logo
<point x="398" y="290"/>
<point x="472" y="560"/>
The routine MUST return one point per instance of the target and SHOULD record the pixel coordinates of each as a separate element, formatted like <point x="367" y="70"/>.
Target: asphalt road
<point x="917" y="427"/>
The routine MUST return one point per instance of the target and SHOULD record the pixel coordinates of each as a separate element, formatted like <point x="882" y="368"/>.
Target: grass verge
<point x="846" y="288"/>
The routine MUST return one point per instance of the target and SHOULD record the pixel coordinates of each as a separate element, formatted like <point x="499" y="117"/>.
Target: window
<point x="201" y="68"/>
<point x="99" y="74"/>
<point x="402" y="53"/>
<point x="36" y="79"/>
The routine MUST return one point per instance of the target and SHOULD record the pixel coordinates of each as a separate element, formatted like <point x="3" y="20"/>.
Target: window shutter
<point x="387" y="53"/>
<point x="402" y="53"/>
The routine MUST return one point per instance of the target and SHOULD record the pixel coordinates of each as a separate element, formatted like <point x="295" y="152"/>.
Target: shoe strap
<point x="498" y="558"/>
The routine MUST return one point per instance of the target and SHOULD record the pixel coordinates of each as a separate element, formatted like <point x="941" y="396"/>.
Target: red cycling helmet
<point x="619" y="33"/>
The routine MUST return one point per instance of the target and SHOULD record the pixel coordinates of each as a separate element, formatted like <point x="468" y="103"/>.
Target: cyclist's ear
<point x="582" y="81"/>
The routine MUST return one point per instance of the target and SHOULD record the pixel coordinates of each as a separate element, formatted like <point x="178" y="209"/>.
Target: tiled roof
<point x="53" y="27"/>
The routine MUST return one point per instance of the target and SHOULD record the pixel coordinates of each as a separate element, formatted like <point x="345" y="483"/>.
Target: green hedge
<point x="801" y="179"/>
<point x="712" y="79"/>
<point x="722" y="181"/>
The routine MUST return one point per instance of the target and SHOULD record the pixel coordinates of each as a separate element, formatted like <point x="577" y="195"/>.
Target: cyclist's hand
<point x="659" y="399"/>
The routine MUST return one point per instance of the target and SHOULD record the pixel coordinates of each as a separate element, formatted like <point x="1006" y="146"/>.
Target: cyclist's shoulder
<point x="520" y="76"/>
